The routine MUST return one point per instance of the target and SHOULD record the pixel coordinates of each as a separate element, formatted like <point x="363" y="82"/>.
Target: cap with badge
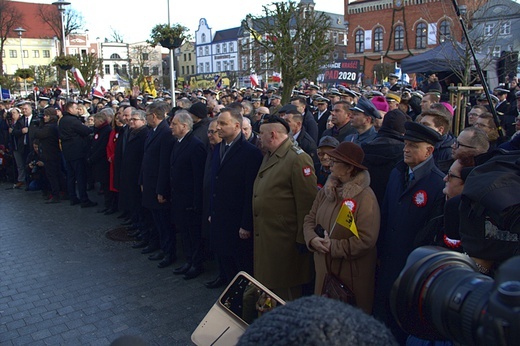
<point x="416" y="132"/>
<point x="391" y="97"/>
<point x="483" y="97"/>
<point x="43" y="98"/>
<point x="333" y="91"/>
<point x="393" y="75"/>
<point x="501" y="91"/>
<point x="349" y="93"/>
<point x="322" y="100"/>
<point x="313" y="86"/>
<point x="366" y="107"/>
<point x="276" y="96"/>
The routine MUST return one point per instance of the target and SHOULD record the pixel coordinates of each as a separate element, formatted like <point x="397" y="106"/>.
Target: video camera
<point x="440" y="295"/>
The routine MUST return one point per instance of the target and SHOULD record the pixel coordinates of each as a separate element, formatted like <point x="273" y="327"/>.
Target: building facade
<point x="387" y="31"/>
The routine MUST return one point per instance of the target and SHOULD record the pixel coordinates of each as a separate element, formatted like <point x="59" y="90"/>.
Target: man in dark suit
<point x="310" y="125"/>
<point x="74" y="145"/>
<point x="322" y="115"/>
<point x="187" y="162"/>
<point x="300" y="135"/>
<point x="234" y="168"/>
<point x="155" y="180"/>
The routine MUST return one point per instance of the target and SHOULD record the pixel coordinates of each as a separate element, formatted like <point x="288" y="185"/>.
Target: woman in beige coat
<point x="352" y="259"/>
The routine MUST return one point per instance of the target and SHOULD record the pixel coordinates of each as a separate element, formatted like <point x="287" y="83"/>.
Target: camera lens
<point x="439" y="295"/>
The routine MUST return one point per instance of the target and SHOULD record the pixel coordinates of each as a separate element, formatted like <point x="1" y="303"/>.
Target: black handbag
<point x="336" y="289"/>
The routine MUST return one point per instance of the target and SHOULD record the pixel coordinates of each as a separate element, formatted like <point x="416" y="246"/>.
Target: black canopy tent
<point x="446" y="57"/>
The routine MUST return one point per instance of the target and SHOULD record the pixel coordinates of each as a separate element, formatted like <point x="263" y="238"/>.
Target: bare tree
<point x="44" y="75"/>
<point x="116" y="36"/>
<point x="143" y="59"/>
<point x="52" y="17"/>
<point x="10" y="18"/>
<point x="290" y="38"/>
<point x="90" y="65"/>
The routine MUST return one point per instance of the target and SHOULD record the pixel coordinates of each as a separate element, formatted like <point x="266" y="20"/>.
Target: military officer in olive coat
<point x="283" y="193"/>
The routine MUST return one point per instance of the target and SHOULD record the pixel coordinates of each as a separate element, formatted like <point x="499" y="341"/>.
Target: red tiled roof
<point x="31" y="21"/>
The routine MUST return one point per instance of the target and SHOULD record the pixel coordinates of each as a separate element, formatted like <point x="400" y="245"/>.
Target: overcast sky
<point x="134" y="20"/>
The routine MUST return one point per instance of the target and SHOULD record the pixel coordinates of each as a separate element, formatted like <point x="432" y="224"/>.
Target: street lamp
<point x="172" y="66"/>
<point x="19" y="30"/>
<point x="60" y="4"/>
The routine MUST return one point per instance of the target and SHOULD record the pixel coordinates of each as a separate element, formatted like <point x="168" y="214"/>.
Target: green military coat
<point x="283" y="193"/>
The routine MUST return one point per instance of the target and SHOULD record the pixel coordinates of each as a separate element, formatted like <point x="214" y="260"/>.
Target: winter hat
<point x="199" y="110"/>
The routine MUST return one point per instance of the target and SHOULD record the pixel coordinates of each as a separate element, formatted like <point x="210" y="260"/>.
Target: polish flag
<point x="277" y="77"/>
<point x="254" y="79"/>
<point x="78" y="76"/>
<point x="96" y="91"/>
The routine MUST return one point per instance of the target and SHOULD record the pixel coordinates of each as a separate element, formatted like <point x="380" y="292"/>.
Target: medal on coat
<point x="96" y="136"/>
<point x="420" y="198"/>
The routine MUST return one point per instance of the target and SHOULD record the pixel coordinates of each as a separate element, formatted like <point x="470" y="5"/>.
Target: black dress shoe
<point x="88" y="204"/>
<point x="167" y="261"/>
<point x="182" y="270"/>
<point x="193" y="272"/>
<point x="141" y="244"/>
<point x="149" y="249"/>
<point x="110" y="211"/>
<point x="219" y="282"/>
<point x="156" y="256"/>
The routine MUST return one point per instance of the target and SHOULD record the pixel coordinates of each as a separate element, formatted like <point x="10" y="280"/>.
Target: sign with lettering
<point x="344" y="71"/>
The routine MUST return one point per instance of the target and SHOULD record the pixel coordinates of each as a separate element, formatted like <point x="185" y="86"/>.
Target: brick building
<point x="387" y="31"/>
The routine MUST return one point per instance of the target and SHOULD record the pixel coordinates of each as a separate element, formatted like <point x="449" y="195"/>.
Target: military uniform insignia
<point x="297" y="149"/>
<point x="307" y="171"/>
<point x="96" y="136"/>
<point x="420" y="198"/>
<point x="351" y="204"/>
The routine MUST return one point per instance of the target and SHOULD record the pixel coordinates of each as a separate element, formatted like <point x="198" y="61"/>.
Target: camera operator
<point x="35" y="169"/>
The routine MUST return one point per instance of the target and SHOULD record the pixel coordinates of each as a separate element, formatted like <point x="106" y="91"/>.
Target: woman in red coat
<point x="111" y="148"/>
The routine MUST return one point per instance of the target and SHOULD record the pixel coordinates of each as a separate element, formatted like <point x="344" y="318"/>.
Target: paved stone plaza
<point x="63" y="282"/>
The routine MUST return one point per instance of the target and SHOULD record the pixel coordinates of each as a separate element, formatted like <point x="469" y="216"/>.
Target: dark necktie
<point x="25" y="138"/>
<point x="408" y="178"/>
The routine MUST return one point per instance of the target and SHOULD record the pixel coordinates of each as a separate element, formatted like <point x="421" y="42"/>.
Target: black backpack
<point x="490" y="208"/>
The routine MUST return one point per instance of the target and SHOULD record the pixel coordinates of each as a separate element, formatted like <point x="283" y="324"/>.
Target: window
<point x="335" y="55"/>
<point x="360" y="41"/>
<point x="192" y="69"/>
<point x="226" y="67"/>
<point x="36" y="53"/>
<point x="203" y="38"/>
<point x="155" y="70"/>
<point x="145" y="56"/>
<point x="206" y="50"/>
<point x="505" y="28"/>
<point x="25" y="53"/>
<point x="200" y="51"/>
<point x="184" y="56"/>
<point x="444" y="31"/>
<point x="135" y="71"/>
<point x="224" y="48"/>
<point x="420" y="36"/>
<point x="231" y="47"/>
<point x="399" y="38"/>
<point x="201" y="68"/>
<point x="378" y="39"/>
<point x="116" y="68"/>
<point x="146" y="70"/>
<point x="335" y="37"/>
<point x="488" y="29"/>
<point x="218" y="48"/>
<point x="124" y="69"/>
<point x="495" y="51"/>
<point x="244" y="63"/>
<point x="107" y="69"/>
<point x="219" y="64"/>
<point x="183" y="72"/>
<point x="115" y="56"/>
<point x="345" y="55"/>
<point x="231" y="65"/>
<point x="189" y="56"/>
<point x="207" y="67"/>
<point x="46" y="53"/>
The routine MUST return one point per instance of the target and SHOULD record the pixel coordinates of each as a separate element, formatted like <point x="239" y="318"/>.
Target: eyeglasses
<point x="481" y="125"/>
<point x="459" y="144"/>
<point x="451" y="175"/>
<point x="135" y="119"/>
<point x="211" y="132"/>
<point x="472" y="114"/>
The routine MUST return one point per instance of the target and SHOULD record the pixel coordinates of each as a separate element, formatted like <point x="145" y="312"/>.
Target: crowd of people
<point x="238" y="177"/>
